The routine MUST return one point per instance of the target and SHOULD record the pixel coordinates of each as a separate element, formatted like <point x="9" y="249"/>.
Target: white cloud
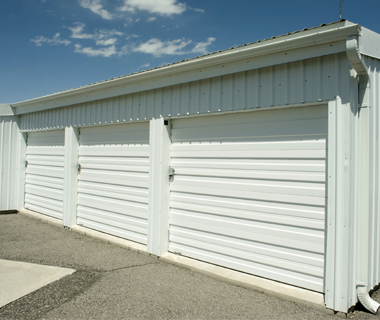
<point x="151" y="19"/>
<point x="104" y="52"/>
<point x="132" y="36"/>
<point x="53" y="41"/>
<point x="77" y="32"/>
<point x="162" y="7"/>
<point x="107" y="42"/>
<point x="102" y="36"/>
<point x="198" y="10"/>
<point x="158" y="48"/>
<point x="96" y="7"/>
<point x="201" y="47"/>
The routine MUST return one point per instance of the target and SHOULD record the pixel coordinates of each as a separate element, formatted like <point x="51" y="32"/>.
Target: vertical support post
<point x="159" y="157"/>
<point x="338" y="256"/>
<point x="21" y="170"/>
<point x="363" y="205"/>
<point x="70" y="178"/>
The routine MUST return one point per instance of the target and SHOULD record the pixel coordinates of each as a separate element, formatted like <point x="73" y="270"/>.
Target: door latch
<point x="79" y="167"/>
<point x="171" y="173"/>
<point x="26" y="163"/>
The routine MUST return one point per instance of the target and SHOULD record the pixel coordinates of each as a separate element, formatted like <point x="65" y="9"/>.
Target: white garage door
<point x="44" y="172"/>
<point x="113" y="180"/>
<point x="249" y="192"/>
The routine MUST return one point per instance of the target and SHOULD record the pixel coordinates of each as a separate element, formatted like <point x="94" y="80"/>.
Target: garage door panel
<point x="116" y="161"/>
<point x="282" y="275"/>
<point x="51" y="182"/>
<point x="255" y="182"/>
<point x="251" y="215"/>
<point x="109" y="218"/>
<point x="111" y="194"/>
<point x="277" y="165"/>
<point x="252" y="154"/>
<point x="255" y="146"/>
<point x="116" y="231"/>
<point x="108" y="151"/>
<point x="52" y="160"/>
<point x="275" y="235"/>
<point x="183" y="199"/>
<point x="94" y="187"/>
<point x="183" y="235"/>
<point x="43" y="208"/>
<point x="43" y="139"/>
<point x="253" y="174"/>
<point x="136" y="133"/>
<point x="270" y="186"/>
<point x="44" y="173"/>
<point x="261" y="196"/>
<point x="115" y="205"/>
<point x="264" y="259"/>
<point x="113" y="180"/>
<point x="49" y="151"/>
<point x="46" y="192"/>
<point x="245" y="130"/>
<point x="114" y="167"/>
<point x="43" y="202"/>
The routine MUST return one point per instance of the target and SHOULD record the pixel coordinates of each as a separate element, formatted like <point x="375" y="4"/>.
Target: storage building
<point x="263" y="159"/>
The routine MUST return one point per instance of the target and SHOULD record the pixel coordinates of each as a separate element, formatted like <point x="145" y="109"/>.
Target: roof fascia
<point x="369" y="43"/>
<point x="6" y="110"/>
<point x="303" y="45"/>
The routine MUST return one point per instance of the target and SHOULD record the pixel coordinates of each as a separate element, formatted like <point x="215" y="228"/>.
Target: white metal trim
<point x="159" y="158"/>
<point x="70" y="179"/>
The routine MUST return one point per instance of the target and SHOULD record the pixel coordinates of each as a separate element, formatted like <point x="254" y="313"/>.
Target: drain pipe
<point x="362" y="73"/>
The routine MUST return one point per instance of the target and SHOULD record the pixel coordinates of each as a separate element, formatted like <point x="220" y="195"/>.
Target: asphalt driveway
<point x="112" y="282"/>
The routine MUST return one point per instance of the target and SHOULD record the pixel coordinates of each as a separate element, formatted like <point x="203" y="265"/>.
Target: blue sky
<point x="49" y="46"/>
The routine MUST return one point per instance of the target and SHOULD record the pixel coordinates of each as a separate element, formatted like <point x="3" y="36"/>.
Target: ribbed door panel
<point x="45" y="172"/>
<point x="113" y="180"/>
<point x="249" y="192"/>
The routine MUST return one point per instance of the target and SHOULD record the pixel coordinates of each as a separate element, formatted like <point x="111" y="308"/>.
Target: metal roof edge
<point x="6" y="110"/>
<point x="369" y="43"/>
<point x="318" y="35"/>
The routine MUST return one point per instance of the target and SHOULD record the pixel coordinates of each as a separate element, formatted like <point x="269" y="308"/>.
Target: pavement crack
<point x="128" y="267"/>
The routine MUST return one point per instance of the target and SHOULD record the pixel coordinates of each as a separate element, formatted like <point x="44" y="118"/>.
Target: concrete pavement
<point x="18" y="279"/>
<point x="112" y="282"/>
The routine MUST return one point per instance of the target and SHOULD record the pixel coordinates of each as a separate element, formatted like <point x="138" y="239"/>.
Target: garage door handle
<point x="171" y="173"/>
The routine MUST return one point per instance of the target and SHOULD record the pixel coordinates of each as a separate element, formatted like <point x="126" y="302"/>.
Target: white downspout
<point x="361" y="69"/>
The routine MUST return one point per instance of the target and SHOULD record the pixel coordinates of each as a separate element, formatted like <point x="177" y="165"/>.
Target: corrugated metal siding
<point x="249" y="192"/>
<point x="8" y="162"/>
<point x="44" y="178"/>
<point x="374" y="266"/>
<point x="113" y="183"/>
<point x="311" y="80"/>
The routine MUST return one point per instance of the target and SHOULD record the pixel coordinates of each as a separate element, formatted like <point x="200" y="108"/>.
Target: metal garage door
<point x="249" y="192"/>
<point x="44" y="172"/>
<point x="113" y="180"/>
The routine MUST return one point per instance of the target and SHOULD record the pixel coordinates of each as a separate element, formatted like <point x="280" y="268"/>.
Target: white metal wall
<point x="8" y="163"/>
<point x="249" y="192"/>
<point x="306" y="81"/>
<point x="374" y="267"/>
<point x="44" y="180"/>
<point x="113" y="181"/>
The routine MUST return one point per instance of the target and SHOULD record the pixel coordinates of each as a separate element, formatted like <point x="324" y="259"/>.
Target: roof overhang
<point x="6" y="110"/>
<point x="302" y="45"/>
